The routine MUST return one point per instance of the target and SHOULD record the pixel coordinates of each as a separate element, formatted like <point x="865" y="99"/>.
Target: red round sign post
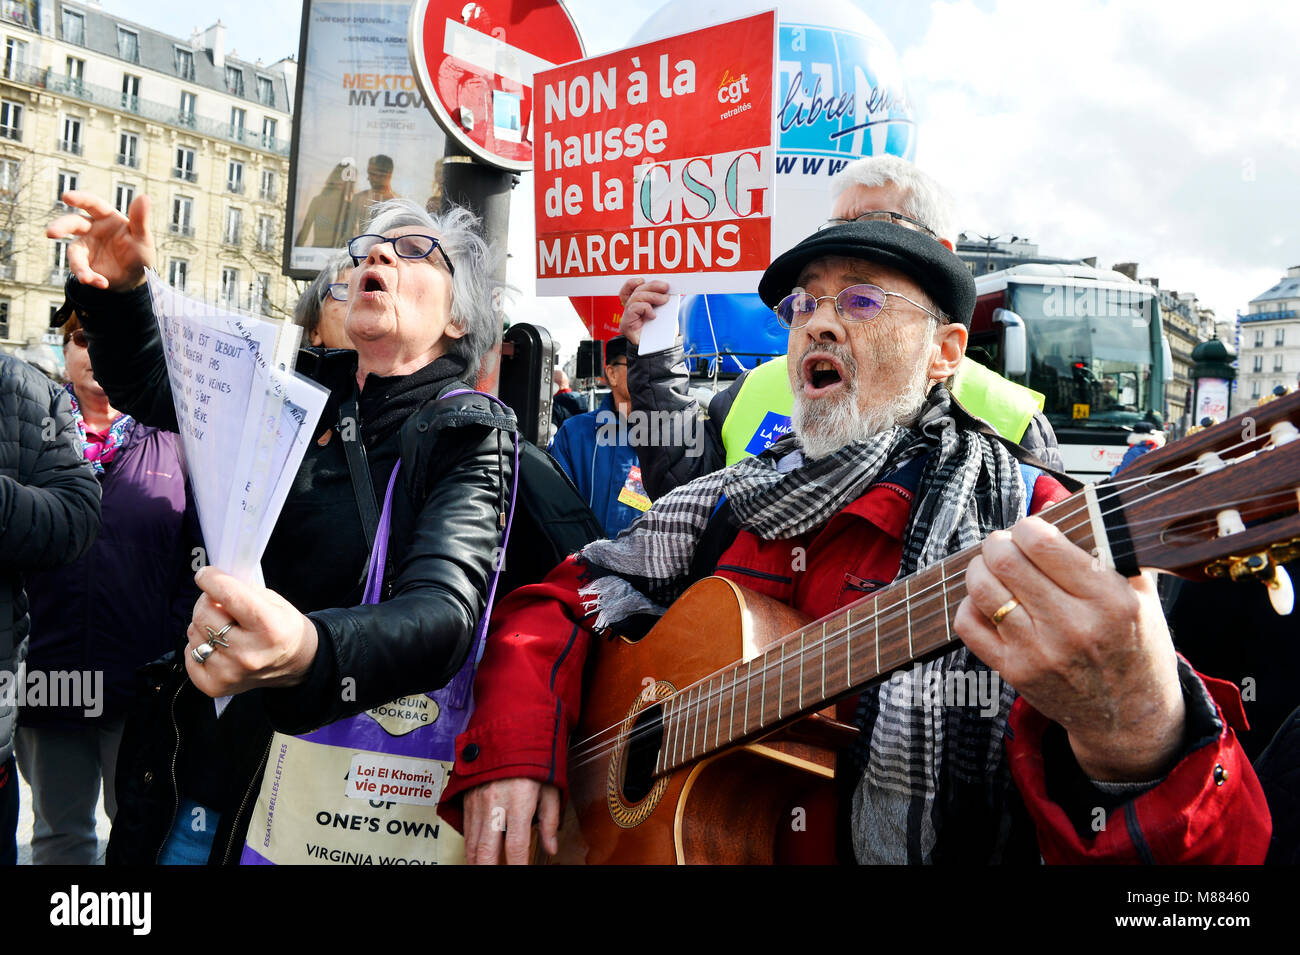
<point x="475" y="62"/>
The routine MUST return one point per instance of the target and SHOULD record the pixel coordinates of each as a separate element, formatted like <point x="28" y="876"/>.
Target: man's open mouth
<point x="821" y="373"/>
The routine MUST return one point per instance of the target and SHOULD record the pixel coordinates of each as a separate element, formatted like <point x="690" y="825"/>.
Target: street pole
<point x="483" y="190"/>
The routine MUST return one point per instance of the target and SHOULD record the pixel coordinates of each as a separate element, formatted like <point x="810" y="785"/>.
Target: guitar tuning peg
<point x="1280" y="592"/>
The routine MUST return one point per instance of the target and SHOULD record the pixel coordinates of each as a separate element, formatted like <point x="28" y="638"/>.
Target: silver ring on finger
<point x="202" y="652"/>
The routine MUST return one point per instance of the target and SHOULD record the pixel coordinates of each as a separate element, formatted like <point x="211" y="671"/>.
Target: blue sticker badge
<point x="771" y="429"/>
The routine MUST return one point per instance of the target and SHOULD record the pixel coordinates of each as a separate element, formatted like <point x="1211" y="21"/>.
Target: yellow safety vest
<point x="760" y="415"/>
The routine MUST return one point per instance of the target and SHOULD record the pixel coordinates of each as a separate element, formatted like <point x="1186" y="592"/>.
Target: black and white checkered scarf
<point x="914" y="759"/>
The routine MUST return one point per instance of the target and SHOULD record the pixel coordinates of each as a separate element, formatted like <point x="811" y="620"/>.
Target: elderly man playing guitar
<point x="1100" y="745"/>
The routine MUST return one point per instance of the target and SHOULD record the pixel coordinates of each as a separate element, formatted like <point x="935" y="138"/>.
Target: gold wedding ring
<point x="1001" y="613"/>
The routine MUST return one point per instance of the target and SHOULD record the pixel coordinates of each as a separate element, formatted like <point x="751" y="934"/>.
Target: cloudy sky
<point x="1162" y="132"/>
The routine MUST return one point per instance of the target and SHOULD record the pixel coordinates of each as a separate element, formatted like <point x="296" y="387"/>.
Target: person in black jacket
<point x="104" y="615"/>
<point x="420" y="316"/>
<point x="49" y="515"/>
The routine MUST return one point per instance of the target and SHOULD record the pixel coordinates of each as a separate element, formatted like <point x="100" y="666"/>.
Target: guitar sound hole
<point x="642" y="751"/>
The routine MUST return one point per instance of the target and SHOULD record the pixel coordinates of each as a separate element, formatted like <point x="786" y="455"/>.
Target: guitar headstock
<point x="1220" y="503"/>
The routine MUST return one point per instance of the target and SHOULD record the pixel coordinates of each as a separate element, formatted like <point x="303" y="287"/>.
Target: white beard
<point x="826" y="425"/>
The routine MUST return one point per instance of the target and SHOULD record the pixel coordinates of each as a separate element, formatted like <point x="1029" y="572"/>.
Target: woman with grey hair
<point x="305" y="650"/>
<point x="322" y="308"/>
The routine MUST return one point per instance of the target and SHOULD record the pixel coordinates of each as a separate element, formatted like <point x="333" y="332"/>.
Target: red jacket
<point x="1210" y="807"/>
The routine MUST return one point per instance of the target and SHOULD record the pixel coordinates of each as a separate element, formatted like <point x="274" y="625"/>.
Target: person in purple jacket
<point x="124" y="603"/>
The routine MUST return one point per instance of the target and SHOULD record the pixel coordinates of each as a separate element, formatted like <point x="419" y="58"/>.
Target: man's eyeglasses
<point x="406" y="246"/>
<point x="857" y="303"/>
<point x="337" y="291"/>
<point x="882" y="215"/>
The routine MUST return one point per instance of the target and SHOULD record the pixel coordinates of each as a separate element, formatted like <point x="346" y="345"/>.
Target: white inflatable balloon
<point x="839" y="96"/>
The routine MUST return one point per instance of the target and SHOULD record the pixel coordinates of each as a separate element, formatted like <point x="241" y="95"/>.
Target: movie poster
<point x="363" y="133"/>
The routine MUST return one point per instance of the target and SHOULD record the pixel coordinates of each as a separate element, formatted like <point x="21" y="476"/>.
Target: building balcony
<point x="189" y="175"/>
<point x="1267" y="316"/>
<point x="10" y="132"/>
<point x="128" y="160"/>
<point x="235" y="187"/>
<point x="8" y="270"/>
<point x="167" y="114"/>
<point x="58" y="276"/>
<point x="265" y="245"/>
<point x="230" y="238"/>
<point x="182" y="229"/>
<point x="70" y="146"/>
<point x="267" y="195"/>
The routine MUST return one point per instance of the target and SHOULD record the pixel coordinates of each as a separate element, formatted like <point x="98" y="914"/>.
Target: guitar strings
<point x="692" y="708"/>
<point x="583" y="751"/>
<point x="890" y="614"/>
<point x="927" y="592"/>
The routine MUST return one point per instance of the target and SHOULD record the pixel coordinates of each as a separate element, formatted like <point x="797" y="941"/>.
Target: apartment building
<point x="91" y="101"/>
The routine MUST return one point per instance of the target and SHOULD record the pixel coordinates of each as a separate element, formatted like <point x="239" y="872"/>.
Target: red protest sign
<point x="657" y="161"/>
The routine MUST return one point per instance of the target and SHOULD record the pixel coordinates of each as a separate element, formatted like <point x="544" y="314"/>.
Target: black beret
<point x="935" y="268"/>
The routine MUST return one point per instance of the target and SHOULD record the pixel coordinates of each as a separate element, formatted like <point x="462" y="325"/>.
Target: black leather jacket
<point x="456" y="471"/>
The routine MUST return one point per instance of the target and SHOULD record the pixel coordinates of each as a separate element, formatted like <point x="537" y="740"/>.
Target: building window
<point x="178" y="273"/>
<point x="1277" y="363"/>
<point x="265" y="233"/>
<point x="128" y="150"/>
<point x="128" y="45"/>
<point x="10" y="171"/>
<point x="237" y="117"/>
<point x="1254" y="389"/>
<point x="1259" y="363"/>
<point x="1279" y="338"/>
<point x="184" y="168"/>
<point x="234" y="223"/>
<point x="268" y="132"/>
<point x="66" y="182"/>
<point x="125" y="195"/>
<point x="4" y="318"/>
<point x="59" y="273"/>
<point x="235" y="176"/>
<point x="266" y="91"/>
<point x="182" y="209"/>
<point x="230" y="286"/>
<point x="183" y="61"/>
<point x="262" y="289"/>
<point x="74" y="27"/>
<point x="187" y="108"/>
<point x="268" y="188"/>
<point x="76" y="71"/>
<point x="11" y="120"/>
<point x="131" y="92"/>
<point x="16" y="10"/>
<point x="70" y="141"/>
<point x="234" y="81"/>
<point x="15" y="58"/>
<point x="1259" y="338"/>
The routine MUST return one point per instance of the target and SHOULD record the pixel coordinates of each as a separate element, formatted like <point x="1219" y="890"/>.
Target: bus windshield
<point x="1090" y="352"/>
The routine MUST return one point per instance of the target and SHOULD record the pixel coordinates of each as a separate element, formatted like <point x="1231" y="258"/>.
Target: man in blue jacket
<point x="593" y="450"/>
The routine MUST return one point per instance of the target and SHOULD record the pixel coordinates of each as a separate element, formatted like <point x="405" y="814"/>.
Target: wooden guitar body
<point x="724" y="808"/>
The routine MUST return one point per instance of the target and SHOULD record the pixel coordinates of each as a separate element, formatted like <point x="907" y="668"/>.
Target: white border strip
<point x="1099" y="537"/>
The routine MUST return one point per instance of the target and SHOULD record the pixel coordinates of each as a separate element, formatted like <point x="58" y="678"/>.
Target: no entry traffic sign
<point x="475" y="64"/>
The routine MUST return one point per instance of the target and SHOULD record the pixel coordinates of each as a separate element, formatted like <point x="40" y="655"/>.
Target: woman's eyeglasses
<point x="857" y="303"/>
<point x="337" y="291"/>
<point x="406" y="246"/>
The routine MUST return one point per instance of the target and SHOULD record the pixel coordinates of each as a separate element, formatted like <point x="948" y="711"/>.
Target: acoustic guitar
<point x="695" y="741"/>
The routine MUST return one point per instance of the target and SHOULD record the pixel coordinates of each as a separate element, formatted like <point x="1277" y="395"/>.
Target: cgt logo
<point x="76" y="908"/>
<point x="731" y="90"/>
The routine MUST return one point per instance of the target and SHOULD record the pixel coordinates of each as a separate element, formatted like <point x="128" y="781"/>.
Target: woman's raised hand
<point x="111" y="251"/>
